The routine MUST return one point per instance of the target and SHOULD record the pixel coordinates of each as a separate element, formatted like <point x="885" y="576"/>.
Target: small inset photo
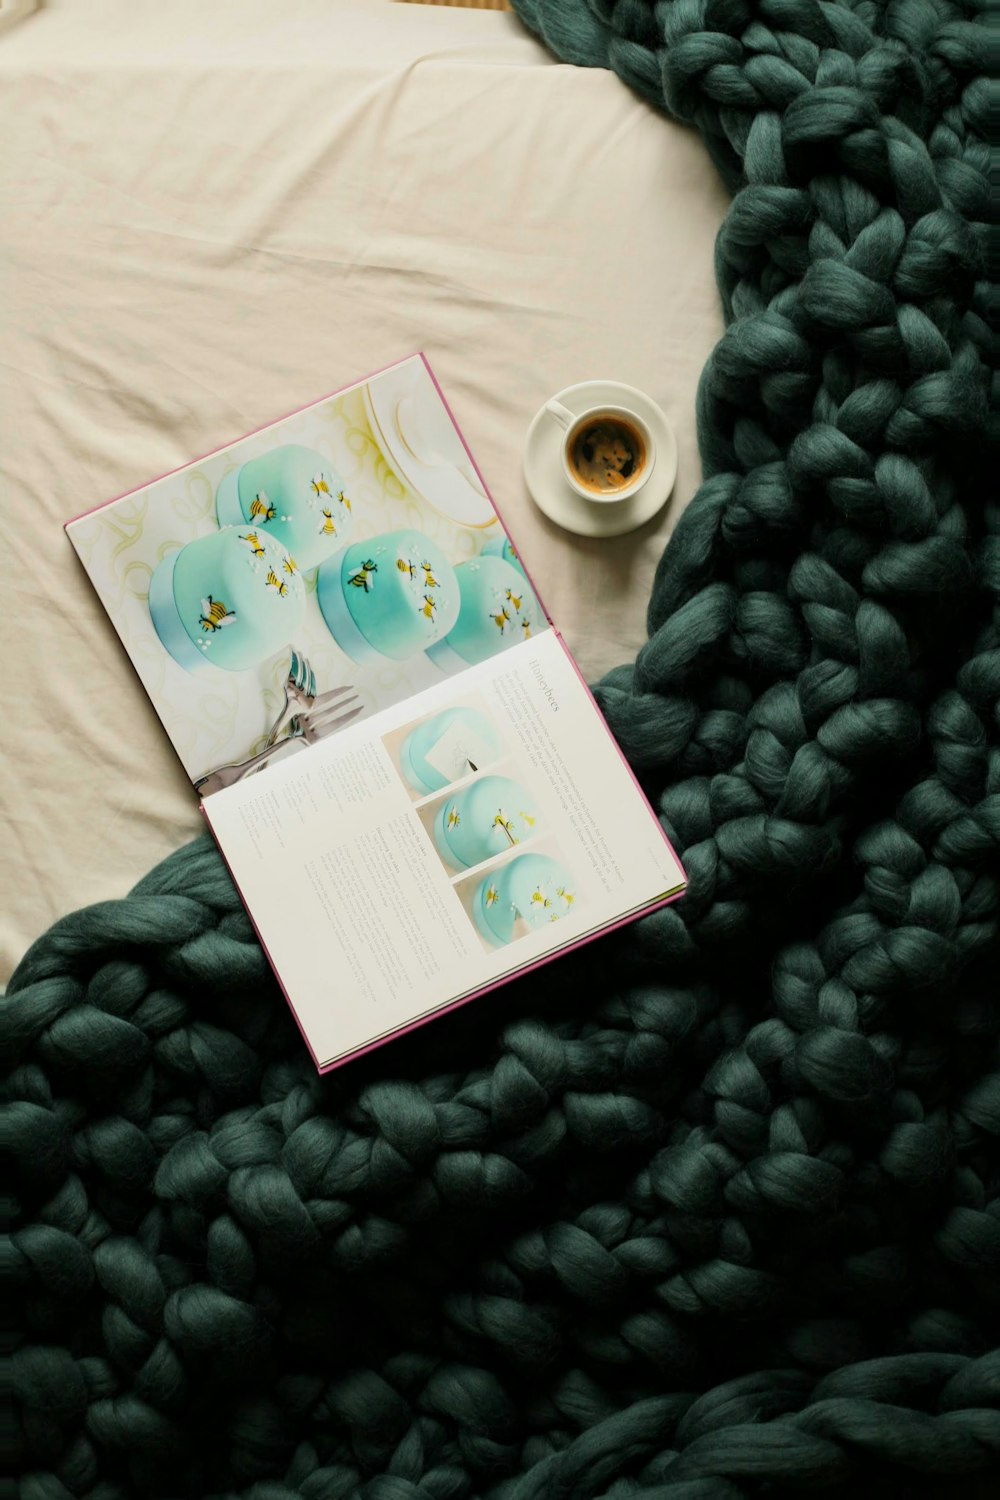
<point x="433" y="752"/>
<point x="522" y="895"/>
<point x="480" y="819"/>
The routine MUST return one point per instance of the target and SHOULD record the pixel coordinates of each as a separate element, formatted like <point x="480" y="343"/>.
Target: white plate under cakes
<point x="412" y="426"/>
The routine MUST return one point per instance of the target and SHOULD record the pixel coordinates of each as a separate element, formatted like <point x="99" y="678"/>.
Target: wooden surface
<point x="466" y="4"/>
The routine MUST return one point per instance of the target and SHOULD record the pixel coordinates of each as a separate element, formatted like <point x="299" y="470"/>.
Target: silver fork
<point x="306" y="729"/>
<point x="301" y="696"/>
<point x="300" y="693"/>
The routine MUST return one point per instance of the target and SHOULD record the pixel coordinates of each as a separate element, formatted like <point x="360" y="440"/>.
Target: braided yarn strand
<point x="713" y="1212"/>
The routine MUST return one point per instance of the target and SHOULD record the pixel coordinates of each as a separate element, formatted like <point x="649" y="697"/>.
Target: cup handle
<point x="561" y="414"/>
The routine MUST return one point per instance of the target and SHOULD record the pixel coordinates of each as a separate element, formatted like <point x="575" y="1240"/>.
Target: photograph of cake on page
<point x="410" y="782"/>
<point x="322" y="568"/>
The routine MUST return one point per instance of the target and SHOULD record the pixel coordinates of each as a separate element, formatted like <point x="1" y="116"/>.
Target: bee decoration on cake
<point x="453" y="817"/>
<point x="364" y="578"/>
<point x="261" y="510"/>
<point x="492" y="896"/>
<point x="501" y="619"/>
<point x="565" y="895"/>
<point x="514" y="599"/>
<point x="215" y="615"/>
<point x="290" y="565"/>
<point x="429" y="578"/>
<point x="328" y="527"/>
<point x="343" y="499"/>
<point x="537" y="899"/>
<point x="526" y="627"/>
<point x="526" y="818"/>
<point x="274" y="582"/>
<point x="254" y="543"/>
<point x="405" y="566"/>
<point x="500" y="821"/>
<point x="319" y="485"/>
<point x="429" y="606"/>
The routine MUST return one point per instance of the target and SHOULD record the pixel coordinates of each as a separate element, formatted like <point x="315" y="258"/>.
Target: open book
<point x="412" y="786"/>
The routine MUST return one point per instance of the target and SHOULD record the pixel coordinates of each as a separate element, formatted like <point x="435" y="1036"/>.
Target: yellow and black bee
<point x="501" y="620"/>
<point x="500" y="821"/>
<point x="215" y="615"/>
<point x="328" y="527"/>
<point x="515" y="599"/>
<point x="566" y="895"/>
<point x="364" y="577"/>
<point x="492" y="896"/>
<point x="261" y="510"/>
<point x="405" y="566"/>
<point x="430" y="605"/>
<point x="526" y="627"/>
<point x="429" y="578"/>
<point x="453" y="818"/>
<point x="274" y="582"/>
<point x="254" y="543"/>
<point x="537" y="899"/>
<point x="290" y="565"/>
<point x="526" y="817"/>
<point x="319" y="485"/>
<point x="343" y="499"/>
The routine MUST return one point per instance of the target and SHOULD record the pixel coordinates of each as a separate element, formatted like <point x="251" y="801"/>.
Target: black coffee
<point x="606" y="454"/>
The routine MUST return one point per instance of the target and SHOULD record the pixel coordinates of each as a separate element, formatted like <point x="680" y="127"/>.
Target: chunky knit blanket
<point x="706" y="1212"/>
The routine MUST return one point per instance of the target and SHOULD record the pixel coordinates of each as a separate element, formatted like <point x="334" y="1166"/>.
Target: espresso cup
<point x="607" y="451"/>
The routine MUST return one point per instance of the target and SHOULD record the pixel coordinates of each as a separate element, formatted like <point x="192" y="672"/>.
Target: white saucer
<point x="551" y="490"/>
<point x="441" y="471"/>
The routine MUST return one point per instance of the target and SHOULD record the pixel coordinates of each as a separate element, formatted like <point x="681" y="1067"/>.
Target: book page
<point x="424" y="854"/>
<point x="348" y="555"/>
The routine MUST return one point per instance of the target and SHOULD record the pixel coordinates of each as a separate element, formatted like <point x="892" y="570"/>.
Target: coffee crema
<point x="606" y="454"/>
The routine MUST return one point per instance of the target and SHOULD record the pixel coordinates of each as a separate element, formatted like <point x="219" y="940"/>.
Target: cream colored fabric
<point x="212" y="214"/>
<point x="16" y="10"/>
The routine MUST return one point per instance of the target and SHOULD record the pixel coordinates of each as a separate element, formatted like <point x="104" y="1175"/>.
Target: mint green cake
<point x="393" y="595"/>
<point x="502" y="546"/>
<point x="228" y="600"/>
<point x="498" y="609"/>
<point x="485" y="818"/>
<point x="296" y="495"/>
<point x="451" y="744"/>
<point x="521" y="897"/>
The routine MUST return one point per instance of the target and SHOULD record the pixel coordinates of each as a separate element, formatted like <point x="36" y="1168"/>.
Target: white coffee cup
<point x="574" y="425"/>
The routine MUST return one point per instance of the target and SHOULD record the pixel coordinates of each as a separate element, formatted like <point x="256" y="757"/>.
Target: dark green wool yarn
<point x="711" y="1211"/>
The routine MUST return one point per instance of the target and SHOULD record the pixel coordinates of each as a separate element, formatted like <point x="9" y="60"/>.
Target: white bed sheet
<point x="212" y="214"/>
